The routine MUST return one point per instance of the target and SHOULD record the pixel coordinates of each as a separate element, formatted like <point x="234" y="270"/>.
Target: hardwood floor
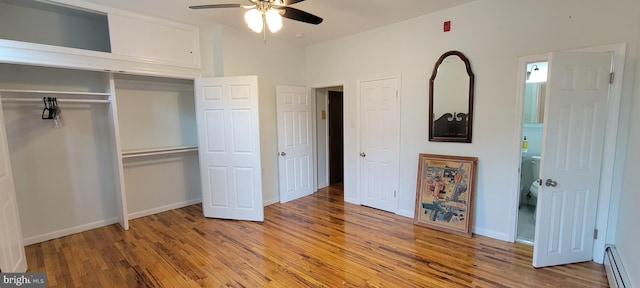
<point x="316" y="241"/>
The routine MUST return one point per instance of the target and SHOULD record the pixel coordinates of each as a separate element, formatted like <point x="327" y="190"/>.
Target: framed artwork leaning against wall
<point x="444" y="193"/>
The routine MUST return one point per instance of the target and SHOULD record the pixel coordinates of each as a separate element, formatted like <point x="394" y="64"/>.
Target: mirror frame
<point x="467" y="137"/>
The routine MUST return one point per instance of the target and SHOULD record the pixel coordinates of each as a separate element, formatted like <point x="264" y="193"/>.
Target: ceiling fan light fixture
<point x="268" y="13"/>
<point x="253" y="18"/>
<point x="274" y="20"/>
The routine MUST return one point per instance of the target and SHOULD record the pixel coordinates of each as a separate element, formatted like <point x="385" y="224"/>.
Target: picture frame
<point x="445" y="193"/>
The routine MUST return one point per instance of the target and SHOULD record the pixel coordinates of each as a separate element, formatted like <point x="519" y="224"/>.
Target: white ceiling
<point x="341" y="17"/>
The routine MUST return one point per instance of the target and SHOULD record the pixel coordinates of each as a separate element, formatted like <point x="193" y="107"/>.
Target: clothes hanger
<point x="57" y="118"/>
<point x="46" y="112"/>
<point x="50" y="108"/>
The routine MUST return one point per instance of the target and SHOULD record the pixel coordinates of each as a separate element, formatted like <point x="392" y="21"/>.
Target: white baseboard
<point x="84" y="227"/>
<point x="405" y="213"/>
<point x="270" y="201"/>
<point x="160" y="209"/>
<point x="352" y="200"/>
<point x="69" y="231"/>
<point x="491" y="234"/>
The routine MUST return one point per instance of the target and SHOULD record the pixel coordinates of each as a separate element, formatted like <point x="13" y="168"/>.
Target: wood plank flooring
<point x="315" y="241"/>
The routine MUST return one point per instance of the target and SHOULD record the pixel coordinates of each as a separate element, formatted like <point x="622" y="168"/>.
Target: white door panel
<point x="380" y="120"/>
<point x="295" y="142"/>
<point x="573" y="143"/>
<point x="12" y="255"/>
<point x="229" y="141"/>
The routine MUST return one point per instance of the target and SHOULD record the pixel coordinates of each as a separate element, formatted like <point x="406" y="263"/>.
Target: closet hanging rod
<point x="59" y="100"/>
<point x="158" y="151"/>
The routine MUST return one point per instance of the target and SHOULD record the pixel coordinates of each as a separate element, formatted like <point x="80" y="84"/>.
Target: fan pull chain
<point x="264" y="30"/>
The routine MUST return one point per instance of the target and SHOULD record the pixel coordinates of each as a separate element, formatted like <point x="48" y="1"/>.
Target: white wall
<point x="627" y="235"/>
<point x="155" y="112"/>
<point x="63" y="177"/>
<point x="211" y="51"/>
<point x="492" y="34"/>
<point x="276" y="63"/>
<point x="161" y="182"/>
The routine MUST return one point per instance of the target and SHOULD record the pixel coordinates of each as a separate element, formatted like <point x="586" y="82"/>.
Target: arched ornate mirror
<point x="451" y="99"/>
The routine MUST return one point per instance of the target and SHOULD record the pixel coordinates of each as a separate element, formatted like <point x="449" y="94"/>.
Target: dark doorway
<point x="336" y="138"/>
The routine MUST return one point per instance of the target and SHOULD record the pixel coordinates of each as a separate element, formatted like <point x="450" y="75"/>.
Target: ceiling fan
<point x="269" y="12"/>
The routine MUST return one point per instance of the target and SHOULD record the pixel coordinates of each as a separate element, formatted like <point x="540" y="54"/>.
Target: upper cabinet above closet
<point x="87" y="36"/>
<point x="154" y="40"/>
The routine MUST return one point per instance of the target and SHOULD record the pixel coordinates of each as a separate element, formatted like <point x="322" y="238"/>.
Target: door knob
<point x="551" y="183"/>
<point x="283" y="154"/>
<point x="362" y="154"/>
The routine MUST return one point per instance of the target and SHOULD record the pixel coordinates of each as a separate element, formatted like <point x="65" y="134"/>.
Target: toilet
<point x="535" y="172"/>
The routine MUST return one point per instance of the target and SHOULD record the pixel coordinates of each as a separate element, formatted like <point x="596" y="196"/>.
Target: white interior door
<point x="229" y="147"/>
<point x="12" y="256"/>
<point x="575" y="117"/>
<point x="379" y="140"/>
<point x="295" y="142"/>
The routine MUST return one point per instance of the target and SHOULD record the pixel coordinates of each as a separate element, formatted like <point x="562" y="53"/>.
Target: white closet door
<point x="229" y="147"/>
<point x="295" y="142"/>
<point x="12" y="256"/>
<point x="379" y="142"/>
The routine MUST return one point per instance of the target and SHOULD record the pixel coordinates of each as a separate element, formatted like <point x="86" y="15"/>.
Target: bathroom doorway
<point x="607" y="175"/>
<point x="532" y="130"/>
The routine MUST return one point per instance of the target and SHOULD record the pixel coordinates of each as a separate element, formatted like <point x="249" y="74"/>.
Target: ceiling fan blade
<point x="299" y="15"/>
<point x="289" y="2"/>
<point x="215" y="6"/>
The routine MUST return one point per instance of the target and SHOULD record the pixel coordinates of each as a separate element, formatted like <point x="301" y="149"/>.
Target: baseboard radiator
<point x="615" y="270"/>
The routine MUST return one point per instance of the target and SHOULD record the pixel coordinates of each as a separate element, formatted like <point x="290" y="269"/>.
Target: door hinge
<point x="611" y="76"/>
<point x="595" y="233"/>
<point x="396" y="94"/>
<point x="394" y="193"/>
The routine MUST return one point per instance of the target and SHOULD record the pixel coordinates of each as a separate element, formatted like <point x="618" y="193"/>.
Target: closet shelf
<point x="79" y="93"/>
<point x="59" y="100"/>
<point x="74" y="96"/>
<point x="157" y="151"/>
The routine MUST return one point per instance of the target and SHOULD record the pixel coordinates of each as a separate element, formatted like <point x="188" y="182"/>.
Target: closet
<point x="64" y="178"/>
<point x="159" y="143"/>
<point x="79" y="177"/>
<point x="127" y="147"/>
